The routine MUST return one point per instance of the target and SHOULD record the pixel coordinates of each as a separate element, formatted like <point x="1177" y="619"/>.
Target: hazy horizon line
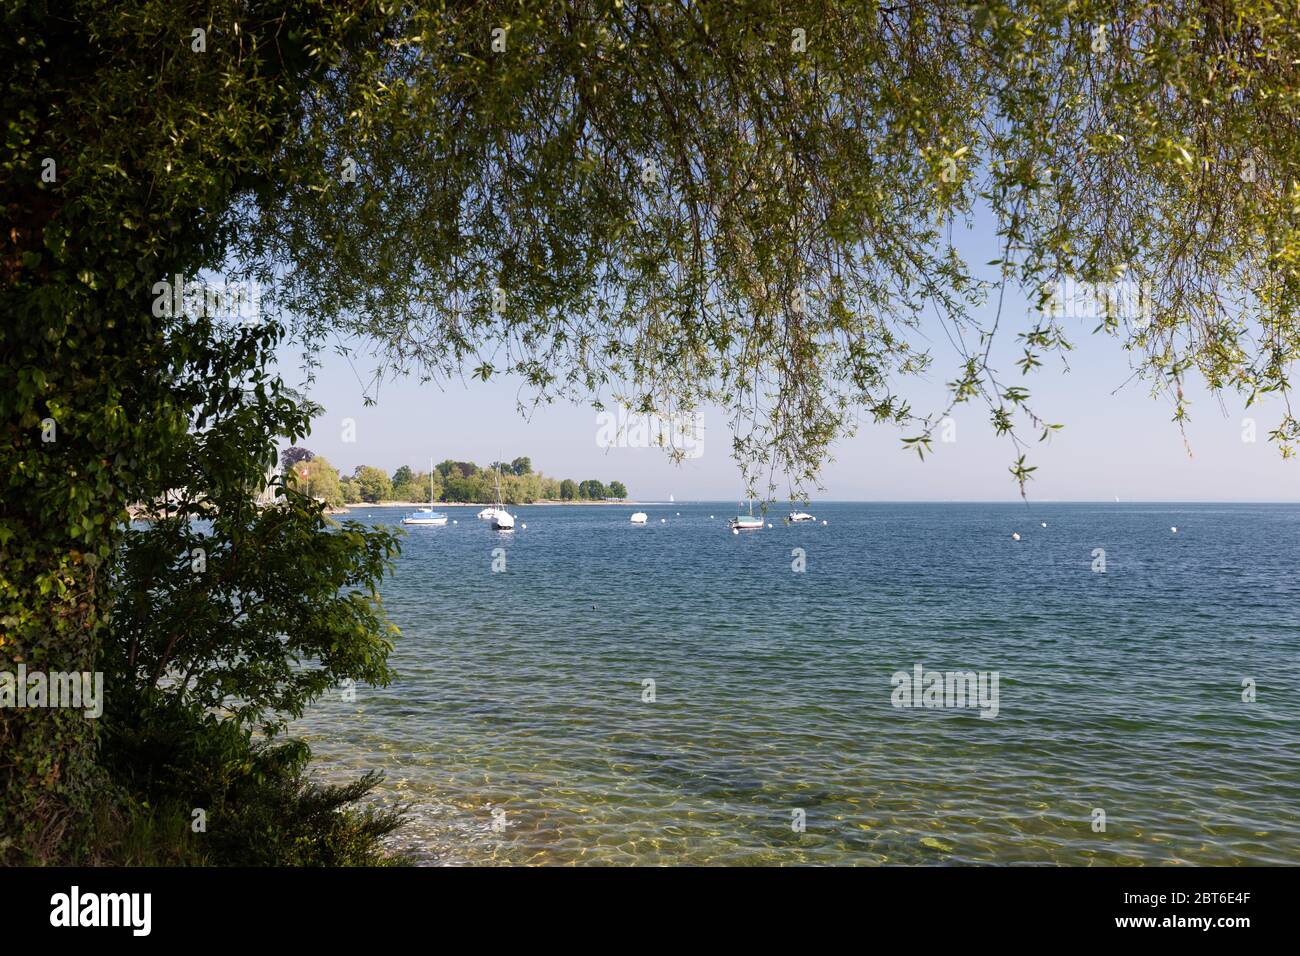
<point x="911" y="501"/>
<point x="985" y="501"/>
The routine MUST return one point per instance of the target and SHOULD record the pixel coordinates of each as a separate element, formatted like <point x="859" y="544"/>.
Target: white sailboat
<point x="502" y="520"/>
<point x="746" y="522"/>
<point x="801" y="516"/>
<point x="427" y="516"/>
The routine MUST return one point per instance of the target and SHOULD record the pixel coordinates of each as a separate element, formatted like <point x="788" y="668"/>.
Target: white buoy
<point x="1015" y="536"/>
<point x="679" y="514"/>
<point x="1174" y="530"/>
<point x="769" y="524"/>
<point x="823" y="524"/>
<point x="710" y="517"/>
<point x="524" y="526"/>
<point x="663" y="520"/>
<point x="454" y="521"/>
<point x="1044" y="524"/>
<point x="735" y="531"/>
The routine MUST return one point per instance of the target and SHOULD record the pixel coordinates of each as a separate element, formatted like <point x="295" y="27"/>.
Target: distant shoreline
<point x="483" y="504"/>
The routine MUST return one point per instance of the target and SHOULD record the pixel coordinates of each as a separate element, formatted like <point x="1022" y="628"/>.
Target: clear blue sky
<point x="1117" y="439"/>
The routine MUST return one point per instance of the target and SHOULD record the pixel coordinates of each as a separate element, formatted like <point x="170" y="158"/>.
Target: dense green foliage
<point x="218" y="602"/>
<point x="372" y="484"/>
<point x="758" y="203"/>
<point x="318" y="479"/>
<point x="464" y="481"/>
<point x="292" y="456"/>
<point x="125" y="147"/>
<point x="259" y="807"/>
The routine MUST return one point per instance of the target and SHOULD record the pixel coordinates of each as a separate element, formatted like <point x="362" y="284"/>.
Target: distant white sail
<point x="502" y="520"/>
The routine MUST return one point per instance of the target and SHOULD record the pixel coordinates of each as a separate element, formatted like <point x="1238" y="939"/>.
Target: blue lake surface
<point x="519" y="731"/>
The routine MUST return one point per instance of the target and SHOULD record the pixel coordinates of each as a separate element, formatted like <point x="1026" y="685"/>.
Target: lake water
<point x="521" y="731"/>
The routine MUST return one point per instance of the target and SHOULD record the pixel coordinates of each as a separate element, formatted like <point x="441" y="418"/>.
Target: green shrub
<point x="258" y="803"/>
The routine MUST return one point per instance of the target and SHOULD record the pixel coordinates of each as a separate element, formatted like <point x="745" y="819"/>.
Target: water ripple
<point x="517" y="732"/>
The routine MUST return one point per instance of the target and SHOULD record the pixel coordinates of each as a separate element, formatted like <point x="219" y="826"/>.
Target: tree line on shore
<point x="450" y="481"/>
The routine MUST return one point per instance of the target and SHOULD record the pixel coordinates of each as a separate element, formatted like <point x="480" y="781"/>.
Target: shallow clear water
<point x="522" y="691"/>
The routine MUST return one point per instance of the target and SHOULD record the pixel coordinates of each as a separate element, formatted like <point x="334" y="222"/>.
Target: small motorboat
<point x="796" y="516"/>
<point x="640" y="518"/>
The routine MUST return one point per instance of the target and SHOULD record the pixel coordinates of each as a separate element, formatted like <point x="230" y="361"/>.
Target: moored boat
<point x="427" y="516"/>
<point x="502" y="520"/>
<point x="746" y="522"/>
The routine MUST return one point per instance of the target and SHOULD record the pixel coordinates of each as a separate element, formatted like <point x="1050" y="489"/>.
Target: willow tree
<point x="751" y="203"/>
